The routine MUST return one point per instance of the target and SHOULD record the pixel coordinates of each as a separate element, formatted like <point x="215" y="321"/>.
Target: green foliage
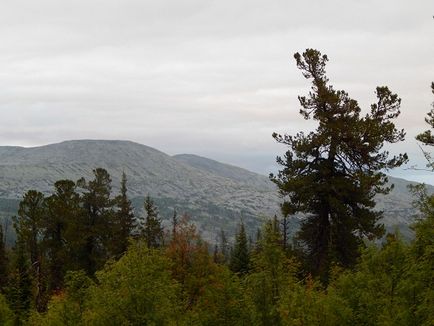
<point x="3" y="261"/>
<point x="19" y="291"/>
<point x="7" y="317"/>
<point x="309" y="304"/>
<point x="136" y="290"/>
<point x="28" y="223"/>
<point x="374" y="290"/>
<point x="221" y="301"/>
<point x="124" y="222"/>
<point x="65" y="308"/>
<point x="151" y="229"/>
<point x="96" y="221"/>
<point x="333" y="173"/>
<point x="419" y="288"/>
<point x="180" y="283"/>
<point x="240" y="259"/>
<point x="29" y="227"/>
<point x="61" y="232"/>
<point x="271" y="273"/>
<point x="210" y="293"/>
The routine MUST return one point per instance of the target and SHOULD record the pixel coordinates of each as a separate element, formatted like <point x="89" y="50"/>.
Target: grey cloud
<point x="208" y="77"/>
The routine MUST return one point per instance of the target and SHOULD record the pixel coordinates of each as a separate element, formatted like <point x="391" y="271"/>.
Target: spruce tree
<point x="224" y="246"/>
<point x="270" y="274"/>
<point x="125" y="221"/>
<point x="62" y="231"/>
<point x="152" y="231"/>
<point x="19" y="292"/>
<point x="3" y="261"/>
<point x="97" y="220"/>
<point x="333" y="173"/>
<point x="28" y="223"/>
<point x="240" y="258"/>
<point x="29" y="226"/>
<point x="285" y="232"/>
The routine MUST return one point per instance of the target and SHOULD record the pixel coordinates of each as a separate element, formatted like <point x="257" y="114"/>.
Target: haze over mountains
<point x="216" y="195"/>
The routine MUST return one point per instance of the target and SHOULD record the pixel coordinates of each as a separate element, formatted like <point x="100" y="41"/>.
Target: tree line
<point x="80" y="226"/>
<point x="182" y="282"/>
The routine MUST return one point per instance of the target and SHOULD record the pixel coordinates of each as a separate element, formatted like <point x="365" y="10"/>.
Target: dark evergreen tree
<point x="3" y="261"/>
<point x="216" y="257"/>
<point x="29" y="227"/>
<point x="269" y="275"/>
<point x="285" y="231"/>
<point x="28" y="223"/>
<point x="332" y="174"/>
<point x="125" y="221"/>
<point x="240" y="258"/>
<point x="19" y="292"/>
<point x="224" y="246"/>
<point x="174" y="222"/>
<point x="151" y="229"/>
<point x="62" y="232"/>
<point x="97" y="220"/>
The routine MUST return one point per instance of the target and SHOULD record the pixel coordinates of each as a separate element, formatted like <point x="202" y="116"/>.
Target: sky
<point x="213" y="78"/>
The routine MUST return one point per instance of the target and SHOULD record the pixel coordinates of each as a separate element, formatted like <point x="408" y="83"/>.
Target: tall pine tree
<point x="333" y="173"/>
<point x="29" y="225"/>
<point x="62" y="231"/>
<point x="97" y="220"/>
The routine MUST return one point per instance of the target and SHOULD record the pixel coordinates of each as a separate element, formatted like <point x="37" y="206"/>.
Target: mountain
<point x="216" y="195"/>
<point x="227" y="171"/>
<point x="214" y="200"/>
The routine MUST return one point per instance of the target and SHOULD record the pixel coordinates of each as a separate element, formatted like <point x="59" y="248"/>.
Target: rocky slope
<point x="214" y="199"/>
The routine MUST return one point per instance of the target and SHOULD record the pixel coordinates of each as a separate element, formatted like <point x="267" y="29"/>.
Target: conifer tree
<point x="152" y="231"/>
<point x="3" y="262"/>
<point x="29" y="221"/>
<point x="224" y="246"/>
<point x="20" y="287"/>
<point x="285" y="231"/>
<point x="333" y="173"/>
<point x="62" y="231"/>
<point x="97" y="220"/>
<point x="270" y="274"/>
<point x="125" y="222"/>
<point x="240" y="259"/>
<point x="29" y="225"/>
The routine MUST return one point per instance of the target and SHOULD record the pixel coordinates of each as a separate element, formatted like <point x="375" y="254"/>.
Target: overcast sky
<point x="213" y="78"/>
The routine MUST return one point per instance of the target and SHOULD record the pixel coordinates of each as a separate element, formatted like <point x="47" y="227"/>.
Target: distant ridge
<point x="214" y="201"/>
<point x="217" y="195"/>
<point x="225" y="170"/>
